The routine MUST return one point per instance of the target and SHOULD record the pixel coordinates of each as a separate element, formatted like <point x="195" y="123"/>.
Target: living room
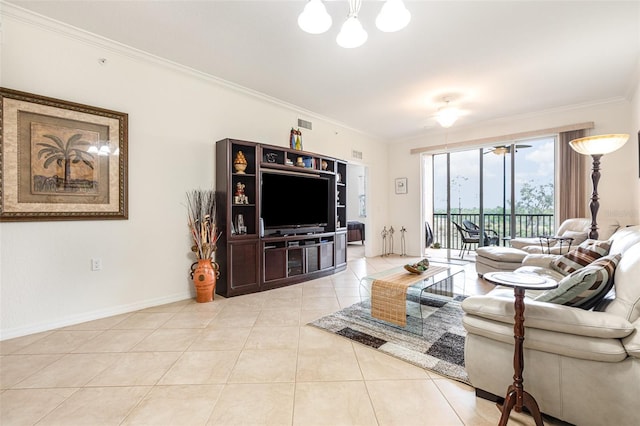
<point x="175" y="116"/>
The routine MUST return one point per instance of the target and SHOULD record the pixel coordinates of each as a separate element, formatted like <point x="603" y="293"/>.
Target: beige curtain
<point x="572" y="188"/>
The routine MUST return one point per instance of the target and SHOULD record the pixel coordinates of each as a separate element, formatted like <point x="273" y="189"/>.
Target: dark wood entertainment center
<point x="254" y="260"/>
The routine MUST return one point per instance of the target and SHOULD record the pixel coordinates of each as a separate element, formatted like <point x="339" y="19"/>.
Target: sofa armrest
<point x="631" y="343"/>
<point x="552" y="317"/>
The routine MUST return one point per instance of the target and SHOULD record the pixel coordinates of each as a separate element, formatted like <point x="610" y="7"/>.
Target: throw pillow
<point x="585" y="287"/>
<point x="580" y="257"/>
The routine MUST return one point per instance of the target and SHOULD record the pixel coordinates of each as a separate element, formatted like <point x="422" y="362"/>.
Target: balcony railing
<point x="526" y="225"/>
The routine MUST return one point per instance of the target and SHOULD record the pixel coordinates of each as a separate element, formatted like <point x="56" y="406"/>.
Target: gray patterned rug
<point x="435" y="342"/>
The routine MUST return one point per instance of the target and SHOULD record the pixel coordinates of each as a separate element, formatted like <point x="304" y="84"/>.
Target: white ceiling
<point x="498" y="59"/>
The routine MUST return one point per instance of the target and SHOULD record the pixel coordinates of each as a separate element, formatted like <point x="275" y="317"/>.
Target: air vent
<point x="304" y="124"/>
<point x="356" y="154"/>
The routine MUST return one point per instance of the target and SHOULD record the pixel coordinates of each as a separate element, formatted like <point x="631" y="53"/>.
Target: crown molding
<point x="8" y="10"/>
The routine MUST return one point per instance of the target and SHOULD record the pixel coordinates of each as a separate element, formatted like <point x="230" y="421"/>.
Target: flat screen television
<point x="294" y="201"/>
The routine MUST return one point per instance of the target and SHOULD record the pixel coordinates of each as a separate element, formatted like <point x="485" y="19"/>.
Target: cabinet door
<point x="244" y="267"/>
<point x="313" y="261"/>
<point x="275" y="264"/>
<point x="326" y="255"/>
<point x="294" y="262"/>
<point x="341" y="248"/>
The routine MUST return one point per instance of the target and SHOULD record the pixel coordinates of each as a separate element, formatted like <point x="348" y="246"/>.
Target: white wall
<point x="618" y="188"/>
<point x="634" y="141"/>
<point x="175" y="117"/>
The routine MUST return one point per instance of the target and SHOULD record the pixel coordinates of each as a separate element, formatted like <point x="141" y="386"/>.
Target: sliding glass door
<point x="505" y="190"/>
<point x="456" y="198"/>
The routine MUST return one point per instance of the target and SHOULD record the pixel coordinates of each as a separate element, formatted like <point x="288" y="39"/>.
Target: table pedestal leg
<point x="516" y="397"/>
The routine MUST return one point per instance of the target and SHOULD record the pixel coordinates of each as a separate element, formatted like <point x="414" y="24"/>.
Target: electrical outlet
<point x="96" y="264"/>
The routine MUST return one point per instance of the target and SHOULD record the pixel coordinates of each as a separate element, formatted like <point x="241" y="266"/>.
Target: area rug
<point x="435" y="341"/>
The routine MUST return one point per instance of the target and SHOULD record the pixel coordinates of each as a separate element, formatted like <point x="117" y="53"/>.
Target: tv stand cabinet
<point x="252" y="260"/>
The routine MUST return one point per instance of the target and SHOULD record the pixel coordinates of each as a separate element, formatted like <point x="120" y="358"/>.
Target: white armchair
<point x="576" y="228"/>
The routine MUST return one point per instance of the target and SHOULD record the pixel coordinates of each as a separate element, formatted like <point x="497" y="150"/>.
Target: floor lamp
<point x="596" y="147"/>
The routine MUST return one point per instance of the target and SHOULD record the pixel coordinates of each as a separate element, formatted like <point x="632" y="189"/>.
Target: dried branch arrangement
<point x="201" y="211"/>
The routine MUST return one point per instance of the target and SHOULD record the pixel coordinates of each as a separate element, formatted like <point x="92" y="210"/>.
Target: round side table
<point x="517" y="397"/>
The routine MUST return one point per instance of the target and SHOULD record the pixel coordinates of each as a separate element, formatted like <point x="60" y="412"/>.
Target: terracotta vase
<point x="204" y="274"/>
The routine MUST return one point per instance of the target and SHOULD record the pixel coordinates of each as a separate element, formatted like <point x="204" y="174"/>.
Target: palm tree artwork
<point x="66" y="155"/>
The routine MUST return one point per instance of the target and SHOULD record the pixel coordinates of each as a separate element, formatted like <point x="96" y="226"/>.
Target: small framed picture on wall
<point x="401" y="185"/>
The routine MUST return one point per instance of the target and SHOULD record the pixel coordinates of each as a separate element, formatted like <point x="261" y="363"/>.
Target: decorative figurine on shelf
<point x="402" y="242"/>
<point x="240" y="197"/>
<point x="391" y="231"/>
<point x="240" y="163"/>
<point x="384" y="240"/>
<point x="240" y="226"/>
<point x="298" y="140"/>
<point x="324" y="165"/>
<point x="299" y="162"/>
<point x="271" y="157"/>
<point x="295" y="139"/>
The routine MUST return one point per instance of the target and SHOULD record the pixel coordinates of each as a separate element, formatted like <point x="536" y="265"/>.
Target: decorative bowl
<point x="240" y="167"/>
<point x="417" y="268"/>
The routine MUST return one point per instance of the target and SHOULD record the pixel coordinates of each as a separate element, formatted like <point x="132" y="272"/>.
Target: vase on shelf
<point x="204" y="274"/>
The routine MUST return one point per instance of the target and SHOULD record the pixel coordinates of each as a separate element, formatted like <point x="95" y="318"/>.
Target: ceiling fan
<point x="506" y="149"/>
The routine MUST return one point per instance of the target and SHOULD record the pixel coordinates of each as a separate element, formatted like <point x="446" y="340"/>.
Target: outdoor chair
<point x="467" y="239"/>
<point x="491" y="237"/>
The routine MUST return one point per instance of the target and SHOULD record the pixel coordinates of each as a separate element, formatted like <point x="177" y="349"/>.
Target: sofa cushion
<point x="547" y="316"/>
<point x="501" y="254"/>
<point x="579" y="237"/>
<point x="626" y="304"/>
<point x="580" y="257"/>
<point x="585" y="287"/>
<point x="625" y="238"/>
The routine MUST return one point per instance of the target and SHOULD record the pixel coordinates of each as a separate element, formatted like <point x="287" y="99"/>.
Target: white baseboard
<point x="91" y="316"/>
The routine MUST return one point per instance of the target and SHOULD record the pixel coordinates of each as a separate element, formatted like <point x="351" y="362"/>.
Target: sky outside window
<point x="534" y="170"/>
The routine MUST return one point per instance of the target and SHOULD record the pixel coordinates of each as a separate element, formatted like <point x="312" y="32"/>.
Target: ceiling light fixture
<point x="393" y="16"/>
<point x="447" y="115"/>
<point x="314" y="19"/>
<point x="352" y="34"/>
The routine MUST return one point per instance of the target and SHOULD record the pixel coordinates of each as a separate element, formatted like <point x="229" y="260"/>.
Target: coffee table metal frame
<point x="441" y="284"/>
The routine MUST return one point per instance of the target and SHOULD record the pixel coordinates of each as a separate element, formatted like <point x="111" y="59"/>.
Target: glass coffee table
<point x="425" y="293"/>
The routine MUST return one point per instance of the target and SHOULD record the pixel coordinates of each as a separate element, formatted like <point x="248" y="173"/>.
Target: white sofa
<point x="491" y="259"/>
<point x="581" y="366"/>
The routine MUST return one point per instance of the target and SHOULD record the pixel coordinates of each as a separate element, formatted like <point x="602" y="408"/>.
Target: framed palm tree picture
<point x="61" y="160"/>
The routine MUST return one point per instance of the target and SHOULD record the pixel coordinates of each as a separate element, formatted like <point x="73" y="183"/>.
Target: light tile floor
<point x="247" y="360"/>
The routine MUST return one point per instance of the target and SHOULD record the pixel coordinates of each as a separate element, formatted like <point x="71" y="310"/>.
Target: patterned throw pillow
<point x="585" y="287"/>
<point x="583" y="255"/>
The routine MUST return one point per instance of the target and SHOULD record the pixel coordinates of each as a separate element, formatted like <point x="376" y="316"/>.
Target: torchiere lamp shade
<point x="601" y="144"/>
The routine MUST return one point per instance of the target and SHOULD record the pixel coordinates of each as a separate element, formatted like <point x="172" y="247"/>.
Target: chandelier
<point x="314" y="19"/>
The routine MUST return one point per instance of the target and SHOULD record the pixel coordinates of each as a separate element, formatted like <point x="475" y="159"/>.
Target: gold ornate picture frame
<point x="61" y="160"/>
